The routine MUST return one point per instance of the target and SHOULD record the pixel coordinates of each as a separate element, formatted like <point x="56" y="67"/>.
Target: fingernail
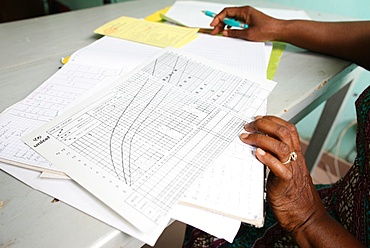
<point x="249" y="127"/>
<point x="258" y="117"/>
<point x="225" y="33"/>
<point x="260" y="151"/>
<point x="244" y="135"/>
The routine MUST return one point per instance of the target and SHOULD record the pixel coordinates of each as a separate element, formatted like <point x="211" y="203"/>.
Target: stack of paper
<point x="92" y="67"/>
<point x="148" y="135"/>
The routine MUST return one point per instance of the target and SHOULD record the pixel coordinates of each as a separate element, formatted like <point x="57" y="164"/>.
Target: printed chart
<point x="139" y="144"/>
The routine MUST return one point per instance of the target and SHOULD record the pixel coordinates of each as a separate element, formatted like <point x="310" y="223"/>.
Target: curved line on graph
<point x="154" y="66"/>
<point x="113" y="131"/>
<point x="134" y="121"/>
<point x="164" y="97"/>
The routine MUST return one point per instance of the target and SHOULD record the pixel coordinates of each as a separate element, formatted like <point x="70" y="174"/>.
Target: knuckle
<point x="260" y="122"/>
<point x="283" y="131"/>
<point x="292" y="128"/>
<point x="258" y="138"/>
<point x="298" y="148"/>
<point x="283" y="149"/>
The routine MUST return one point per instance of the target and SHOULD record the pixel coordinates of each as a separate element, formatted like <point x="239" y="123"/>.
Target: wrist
<point x="306" y="233"/>
<point x="277" y="30"/>
<point x="312" y="222"/>
<point x="324" y="231"/>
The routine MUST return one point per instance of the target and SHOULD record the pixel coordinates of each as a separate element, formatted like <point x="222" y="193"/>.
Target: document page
<point x="189" y="13"/>
<point x="86" y="69"/>
<point x="148" y="136"/>
<point x="236" y="53"/>
<point x="151" y="33"/>
<point x="237" y="197"/>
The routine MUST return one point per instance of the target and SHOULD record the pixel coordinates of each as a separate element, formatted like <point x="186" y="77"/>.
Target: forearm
<point x="346" y="40"/>
<point x="324" y="232"/>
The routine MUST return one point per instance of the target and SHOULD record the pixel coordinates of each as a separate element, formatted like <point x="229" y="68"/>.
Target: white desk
<point x="31" y="51"/>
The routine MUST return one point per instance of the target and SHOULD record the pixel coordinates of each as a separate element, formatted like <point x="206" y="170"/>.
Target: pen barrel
<point x="210" y="13"/>
<point x="234" y="23"/>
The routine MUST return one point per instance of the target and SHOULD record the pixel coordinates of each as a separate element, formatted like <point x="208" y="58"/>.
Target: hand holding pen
<point x="256" y="26"/>
<point x="229" y="22"/>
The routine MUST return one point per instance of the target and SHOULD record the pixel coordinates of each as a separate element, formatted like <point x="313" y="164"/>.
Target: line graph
<point x="146" y="140"/>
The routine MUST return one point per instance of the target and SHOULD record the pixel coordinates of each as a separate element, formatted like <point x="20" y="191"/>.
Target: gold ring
<point x="293" y="157"/>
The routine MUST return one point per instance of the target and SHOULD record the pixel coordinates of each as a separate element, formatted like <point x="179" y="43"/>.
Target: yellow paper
<point x="65" y="60"/>
<point x="156" y="17"/>
<point x="151" y="33"/>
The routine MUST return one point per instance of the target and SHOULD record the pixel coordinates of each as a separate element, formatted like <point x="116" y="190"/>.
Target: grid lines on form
<point x="65" y="86"/>
<point x="12" y="128"/>
<point x="117" y="126"/>
<point x="41" y="106"/>
<point x="231" y="91"/>
<point x="154" y="166"/>
<point x="149" y="135"/>
<point x="186" y="162"/>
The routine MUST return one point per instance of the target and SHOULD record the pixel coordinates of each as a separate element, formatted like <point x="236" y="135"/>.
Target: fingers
<point x="218" y="28"/>
<point x="292" y="130"/>
<point x="233" y="12"/>
<point x="281" y="150"/>
<point x="236" y="33"/>
<point x="273" y="164"/>
<point x="277" y="142"/>
<point x="238" y="13"/>
<point x="289" y="185"/>
<point x="271" y="136"/>
<point x="277" y="128"/>
<point x="261" y="26"/>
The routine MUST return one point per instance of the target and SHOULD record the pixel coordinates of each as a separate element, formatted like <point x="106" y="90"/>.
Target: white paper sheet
<point x="73" y="194"/>
<point x="95" y="59"/>
<point x="105" y="58"/>
<point x="189" y="13"/>
<point x="236" y="197"/>
<point x="236" y="53"/>
<point x="150" y="134"/>
<point x="216" y="224"/>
